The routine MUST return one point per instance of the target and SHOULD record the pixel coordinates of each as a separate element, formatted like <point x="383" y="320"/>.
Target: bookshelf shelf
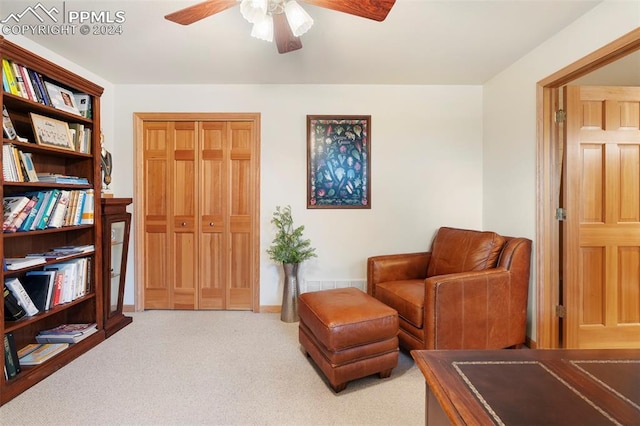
<point x="87" y="303"/>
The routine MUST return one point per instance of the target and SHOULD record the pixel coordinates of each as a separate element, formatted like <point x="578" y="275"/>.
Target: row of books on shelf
<point x="39" y="291"/>
<point x="35" y="259"/>
<point x="17" y="166"/>
<point x="49" y="344"/>
<point x="51" y="133"/>
<point x="29" y="84"/>
<point x="54" y="208"/>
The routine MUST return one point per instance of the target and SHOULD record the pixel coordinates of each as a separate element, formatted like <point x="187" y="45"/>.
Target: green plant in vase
<point x="289" y="248"/>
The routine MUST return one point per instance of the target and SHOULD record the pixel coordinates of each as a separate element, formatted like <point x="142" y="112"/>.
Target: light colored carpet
<point x="214" y="368"/>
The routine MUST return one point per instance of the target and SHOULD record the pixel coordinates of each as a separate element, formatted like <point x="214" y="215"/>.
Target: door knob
<point x="210" y="223"/>
<point x="184" y="223"/>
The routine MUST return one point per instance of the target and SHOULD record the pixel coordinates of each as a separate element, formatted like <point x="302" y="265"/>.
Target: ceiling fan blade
<point x="285" y="40"/>
<point x="370" y="9"/>
<point x="199" y="11"/>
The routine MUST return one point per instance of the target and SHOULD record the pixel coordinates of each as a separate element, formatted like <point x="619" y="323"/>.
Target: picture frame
<point x="7" y="125"/>
<point x="62" y="98"/>
<point x="338" y="161"/>
<point x="51" y="132"/>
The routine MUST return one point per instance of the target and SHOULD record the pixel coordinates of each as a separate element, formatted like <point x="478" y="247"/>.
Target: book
<point x="32" y="77"/>
<point x="27" y="160"/>
<point x="84" y="248"/>
<point x="60" y="210"/>
<point x="16" y="263"/>
<point x="64" y="179"/>
<point x="56" y="297"/>
<point x="48" y="209"/>
<point x="37" y="353"/>
<point x="39" y="85"/>
<point x="44" y="337"/>
<point x="37" y="287"/>
<point x="22" y="216"/>
<point x="21" y="295"/>
<point x="13" y="205"/>
<point x="88" y="209"/>
<point x="54" y="254"/>
<point x="26" y="225"/>
<point x="5" y="83"/>
<point x="12" y="309"/>
<point x="11" y="360"/>
<point x="7" y="166"/>
<point x="50" y="278"/>
<point x="83" y="102"/>
<point x="70" y="281"/>
<point x="78" y="208"/>
<point x="18" y="77"/>
<point x="70" y="329"/>
<point x="8" y="71"/>
<point x="16" y="161"/>
<point x="7" y="125"/>
<point x="43" y="201"/>
<point x="26" y="80"/>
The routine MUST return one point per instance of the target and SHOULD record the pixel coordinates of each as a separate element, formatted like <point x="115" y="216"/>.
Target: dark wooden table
<point x="532" y="387"/>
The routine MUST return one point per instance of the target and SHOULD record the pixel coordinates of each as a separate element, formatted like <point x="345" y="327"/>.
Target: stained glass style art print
<point x="338" y="162"/>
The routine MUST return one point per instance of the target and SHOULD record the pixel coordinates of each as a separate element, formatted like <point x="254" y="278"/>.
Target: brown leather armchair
<point x="469" y="292"/>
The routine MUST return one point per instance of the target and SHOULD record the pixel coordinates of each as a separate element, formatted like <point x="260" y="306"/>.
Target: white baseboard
<point x="317" y="285"/>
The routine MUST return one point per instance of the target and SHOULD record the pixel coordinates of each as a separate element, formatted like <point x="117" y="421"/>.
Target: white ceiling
<point x="420" y="42"/>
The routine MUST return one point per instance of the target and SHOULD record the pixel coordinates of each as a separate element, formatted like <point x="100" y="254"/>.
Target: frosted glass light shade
<point x="253" y="10"/>
<point x="263" y="29"/>
<point x="299" y="20"/>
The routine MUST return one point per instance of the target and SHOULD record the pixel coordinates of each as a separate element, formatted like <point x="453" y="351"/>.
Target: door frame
<point x="547" y="232"/>
<point x="139" y="119"/>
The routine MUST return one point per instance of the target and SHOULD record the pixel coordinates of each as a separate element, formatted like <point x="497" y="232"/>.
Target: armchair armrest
<point x="474" y="310"/>
<point x="396" y="267"/>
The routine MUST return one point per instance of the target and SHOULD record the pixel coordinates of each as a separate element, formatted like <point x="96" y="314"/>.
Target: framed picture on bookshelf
<point x="7" y="125"/>
<point x="50" y="132"/>
<point x="61" y="98"/>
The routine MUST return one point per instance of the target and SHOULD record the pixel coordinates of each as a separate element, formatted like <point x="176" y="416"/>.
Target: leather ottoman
<point x="348" y="334"/>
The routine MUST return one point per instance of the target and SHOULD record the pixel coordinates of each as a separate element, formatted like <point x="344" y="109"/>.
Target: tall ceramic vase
<point x="290" y="294"/>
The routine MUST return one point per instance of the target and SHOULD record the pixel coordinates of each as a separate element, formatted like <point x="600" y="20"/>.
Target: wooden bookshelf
<point x="46" y="159"/>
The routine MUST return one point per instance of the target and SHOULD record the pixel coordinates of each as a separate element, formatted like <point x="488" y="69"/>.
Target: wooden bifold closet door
<point x="200" y="214"/>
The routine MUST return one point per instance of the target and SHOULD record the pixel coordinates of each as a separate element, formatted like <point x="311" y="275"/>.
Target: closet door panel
<point x="184" y="223"/>
<point x="240" y="216"/>
<point x="213" y="207"/>
<point x="157" y="271"/>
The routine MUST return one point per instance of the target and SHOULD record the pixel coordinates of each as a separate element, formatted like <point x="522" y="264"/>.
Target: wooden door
<point x="200" y="213"/>
<point x="213" y="215"/>
<point x="183" y="211"/>
<point x="156" y="140"/>
<point x="242" y="212"/>
<point x="602" y="227"/>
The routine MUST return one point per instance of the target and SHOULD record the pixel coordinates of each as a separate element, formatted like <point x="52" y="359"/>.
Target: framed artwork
<point x="339" y="162"/>
<point x="61" y="98"/>
<point x="50" y="132"/>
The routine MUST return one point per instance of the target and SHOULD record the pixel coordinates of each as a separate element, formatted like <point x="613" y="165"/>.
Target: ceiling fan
<point x="283" y="20"/>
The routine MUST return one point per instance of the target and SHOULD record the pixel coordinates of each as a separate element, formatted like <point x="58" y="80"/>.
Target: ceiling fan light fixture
<point x="263" y="29"/>
<point x="299" y="20"/>
<point x="254" y="10"/>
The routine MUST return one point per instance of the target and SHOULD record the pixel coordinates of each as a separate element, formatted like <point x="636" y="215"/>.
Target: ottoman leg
<point x="339" y="388"/>
<point x="385" y="373"/>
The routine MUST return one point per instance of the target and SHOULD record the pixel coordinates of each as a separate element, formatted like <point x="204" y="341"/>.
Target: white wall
<point x="426" y="165"/>
<point x="509" y="105"/>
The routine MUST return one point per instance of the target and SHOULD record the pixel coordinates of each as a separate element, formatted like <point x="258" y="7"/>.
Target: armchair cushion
<point x="406" y="297"/>
<point x="460" y="250"/>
